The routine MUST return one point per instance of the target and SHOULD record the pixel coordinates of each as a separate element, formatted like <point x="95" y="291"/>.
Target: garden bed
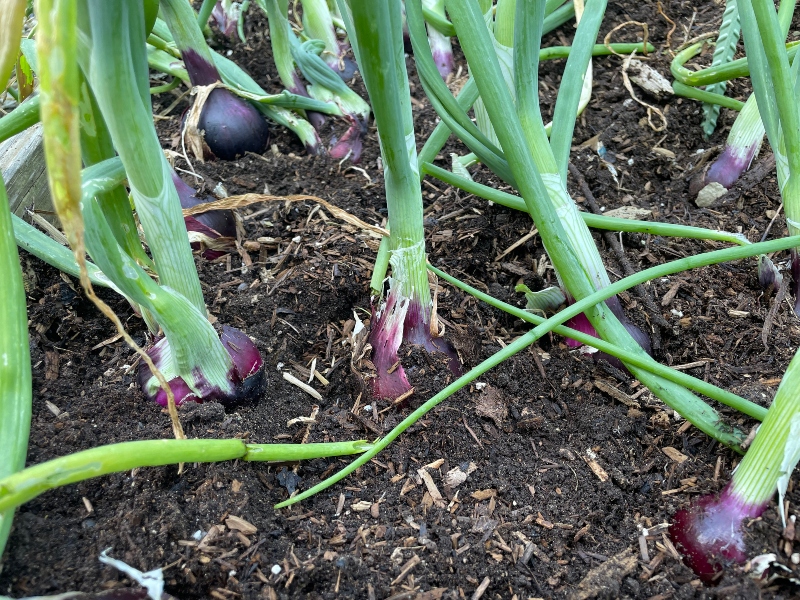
<point x="567" y="461"/>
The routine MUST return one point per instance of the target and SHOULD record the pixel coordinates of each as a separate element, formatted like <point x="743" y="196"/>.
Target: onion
<point x="231" y="126"/>
<point x="709" y="533"/>
<point x="247" y="375"/>
<point x="214" y="231"/>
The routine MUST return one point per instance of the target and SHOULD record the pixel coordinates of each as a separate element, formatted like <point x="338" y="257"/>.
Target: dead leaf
<point x="490" y="404"/>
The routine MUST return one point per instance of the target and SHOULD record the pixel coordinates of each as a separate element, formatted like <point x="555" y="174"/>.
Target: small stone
<point x="709" y="194"/>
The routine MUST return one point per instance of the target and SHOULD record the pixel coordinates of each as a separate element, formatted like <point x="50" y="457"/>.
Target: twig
<point x="767" y="329"/>
<point x="472" y="433"/>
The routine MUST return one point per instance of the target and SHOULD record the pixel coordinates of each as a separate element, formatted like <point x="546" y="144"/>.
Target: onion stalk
<point x="704" y="418"/>
<point x="534" y="165"/>
<point x="191" y="356"/>
<point x="747" y="133"/>
<point x="279" y="31"/>
<point x="15" y="366"/>
<point x="776" y="86"/>
<point x="318" y="25"/>
<point x="406" y="314"/>
<point x="742" y="145"/>
<point x="226" y="14"/>
<point x="325" y="85"/>
<point x="29" y="483"/>
<point x="709" y="532"/>
<point x="441" y="48"/>
<point x="25" y="115"/>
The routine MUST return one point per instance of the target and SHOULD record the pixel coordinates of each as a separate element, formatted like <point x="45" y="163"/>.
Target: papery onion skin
<point x="387" y="335"/>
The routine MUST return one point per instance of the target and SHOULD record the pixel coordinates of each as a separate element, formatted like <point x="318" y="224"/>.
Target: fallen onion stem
<point x="29" y="483"/>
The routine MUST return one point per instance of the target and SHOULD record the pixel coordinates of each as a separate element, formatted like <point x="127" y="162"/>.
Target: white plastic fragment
<point x="152" y="581"/>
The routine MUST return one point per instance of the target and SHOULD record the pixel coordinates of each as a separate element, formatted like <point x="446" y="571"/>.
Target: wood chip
<point x="616" y="394"/>
<point x="438" y="500"/>
<point x="361" y="505"/>
<point x="339" y="505"/>
<point x="692" y="365"/>
<point x="213" y="533"/>
<point x="303" y="386"/>
<point x="110" y="340"/>
<point x="518" y="243"/>
<point x="594" y="466"/>
<point x="435" y="464"/>
<point x="674" y="454"/>
<point x="532" y="549"/>
<point x="481" y="589"/>
<point x="456" y="476"/>
<point x="88" y="505"/>
<point x="463" y="549"/>
<point x="671" y="293"/>
<point x="238" y="524"/>
<point x="629" y="212"/>
<point x="491" y="404"/>
<point x="599" y="580"/>
<point x="407" y="486"/>
<point x="407" y="568"/>
<point x="483" y="494"/>
<point x="542" y="522"/>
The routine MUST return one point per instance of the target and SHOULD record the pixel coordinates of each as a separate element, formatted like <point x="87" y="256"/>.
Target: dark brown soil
<point x="562" y="478"/>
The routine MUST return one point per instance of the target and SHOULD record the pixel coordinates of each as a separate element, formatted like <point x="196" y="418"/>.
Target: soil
<point x="567" y="488"/>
